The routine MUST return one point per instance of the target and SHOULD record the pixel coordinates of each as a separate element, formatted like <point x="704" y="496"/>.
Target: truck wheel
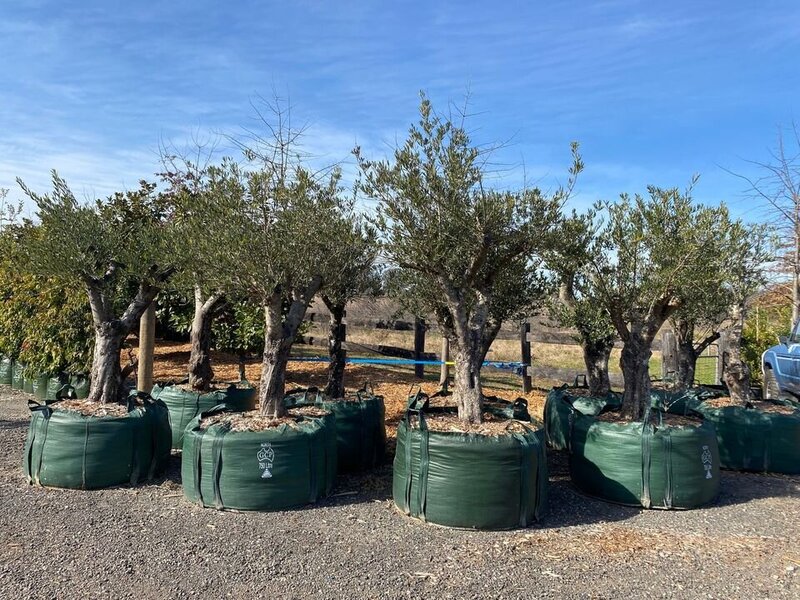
<point x="771" y="389"/>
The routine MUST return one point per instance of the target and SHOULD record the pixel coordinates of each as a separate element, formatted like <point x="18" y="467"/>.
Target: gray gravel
<point x="148" y="542"/>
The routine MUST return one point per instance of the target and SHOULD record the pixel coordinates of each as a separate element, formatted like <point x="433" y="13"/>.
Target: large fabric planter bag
<point x="17" y="375"/>
<point x="360" y="426"/>
<point x="69" y="450"/>
<point x="6" y="367"/>
<point x="46" y="387"/>
<point x="682" y="402"/>
<point x="184" y="405"/>
<point x="753" y="440"/>
<point x="274" y="469"/>
<point x="328" y="419"/>
<point x="80" y="385"/>
<point x="27" y="384"/>
<point x="559" y="408"/>
<point x="469" y="480"/>
<point x="644" y="465"/>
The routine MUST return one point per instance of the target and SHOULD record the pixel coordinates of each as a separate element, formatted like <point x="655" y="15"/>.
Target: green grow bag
<point x="6" y="368"/>
<point x="753" y="440"/>
<point x="331" y="447"/>
<point x="17" y="377"/>
<point x="185" y="405"/>
<point x="68" y="450"/>
<point x="27" y="384"/>
<point x="80" y="385"/>
<point x="469" y="480"/>
<point x="360" y="426"/>
<point x="559" y="408"/>
<point x="682" y="402"/>
<point x="275" y="469"/>
<point x="46" y="387"/>
<point x="644" y="465"/>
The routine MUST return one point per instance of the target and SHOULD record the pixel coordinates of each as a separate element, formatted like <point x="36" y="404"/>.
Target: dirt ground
<point x="149" y="542"/>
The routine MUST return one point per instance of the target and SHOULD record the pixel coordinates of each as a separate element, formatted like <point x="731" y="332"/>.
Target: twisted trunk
<point x="737" y="372"/>
<point x="467" y="388"/>
<point x="596" y="356"/>
<point x="201" y="373"/>
<point x="106" y="375"/>
<point x="635" y="364"/>
<point x="279" y="333"/>
<point x="336" y="351"/>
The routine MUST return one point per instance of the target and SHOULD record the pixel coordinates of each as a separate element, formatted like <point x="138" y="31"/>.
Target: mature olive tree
<point x="279" y="224"/>
<point x="470" y="252"/>
<point x="118" y="250"/>
<point x="192" y="185"/>
<point x="577" y="305"/>
<point x="648" y="253"/>
<point x="746" y="251"/>
<point x="356" y="276"/>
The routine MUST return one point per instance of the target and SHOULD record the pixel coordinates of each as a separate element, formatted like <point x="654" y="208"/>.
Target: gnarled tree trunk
<point x="635" y="364"/>
<point x="279" y="334"/>
<point x="467" y="388"/>
<point x="201" y="373"/>
<point x="737" y="372"/>
<point x="336" y="351"/>
<point x="689" y="351"/>
<point x="596" y="356"/>
<point x="106" y="376"/>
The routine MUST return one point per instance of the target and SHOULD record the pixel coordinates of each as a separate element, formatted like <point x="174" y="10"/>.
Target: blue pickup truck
<point x="781" y="366"/>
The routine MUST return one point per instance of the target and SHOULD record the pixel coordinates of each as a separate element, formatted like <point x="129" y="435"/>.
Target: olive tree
<point x="118" y="250"/>
<point x="279" y="225"/>
<point x="192" y="185"/>
<point x="469" y="252"/>
<point x="356" y="276"/>
<point x="746" y="251"/>
<point x="648" y="252"/>
<point x="577" y="305"/>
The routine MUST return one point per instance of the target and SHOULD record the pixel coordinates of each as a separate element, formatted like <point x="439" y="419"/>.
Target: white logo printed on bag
<point x="707" y="461"/>
<point x="266" y="456"/>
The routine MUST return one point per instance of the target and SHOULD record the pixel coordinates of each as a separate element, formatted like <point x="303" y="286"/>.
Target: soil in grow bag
<point x="114" y="445"/>
<point x="492" y="478"/>
<point x="360" y="425"/>
<point x="6" y="367"/>
<point x="761" y="436"/>
<point x="560" y="405"/>
<point x="184" y="404"/>
<point x="247" y="462"/>
<point x="660" y="465"/>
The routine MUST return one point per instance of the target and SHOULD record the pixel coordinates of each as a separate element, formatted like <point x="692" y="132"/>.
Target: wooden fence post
<point x="147" y="337"/>
<point x="525" y="351"/>
<point x="669" y="355"/>
<point x="444" y="374"/>
<point x="419" y="346"/>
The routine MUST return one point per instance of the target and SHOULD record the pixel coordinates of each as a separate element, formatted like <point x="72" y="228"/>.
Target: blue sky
<point x="654" y="91"/>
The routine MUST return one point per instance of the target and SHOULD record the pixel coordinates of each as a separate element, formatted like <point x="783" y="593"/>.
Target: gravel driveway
<point x="148" y="542"/>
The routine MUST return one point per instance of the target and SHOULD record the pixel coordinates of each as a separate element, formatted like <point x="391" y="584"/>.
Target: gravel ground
<point x="148" y="542"/>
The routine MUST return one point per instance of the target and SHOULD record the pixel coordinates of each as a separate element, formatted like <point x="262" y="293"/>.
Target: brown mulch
<point x="667" y="419"/>
<point x="308" y="411"/>
<point x="172" y="358"/>
<point x="92" y="409"/>
<point x="767" y="407"/>
<point x="247" y="421"/>
<point x="491" y="425"/>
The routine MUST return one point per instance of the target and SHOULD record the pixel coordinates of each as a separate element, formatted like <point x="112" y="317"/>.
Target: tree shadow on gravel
<point x="741" y="487"/>
<point x="9" y="424"/>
